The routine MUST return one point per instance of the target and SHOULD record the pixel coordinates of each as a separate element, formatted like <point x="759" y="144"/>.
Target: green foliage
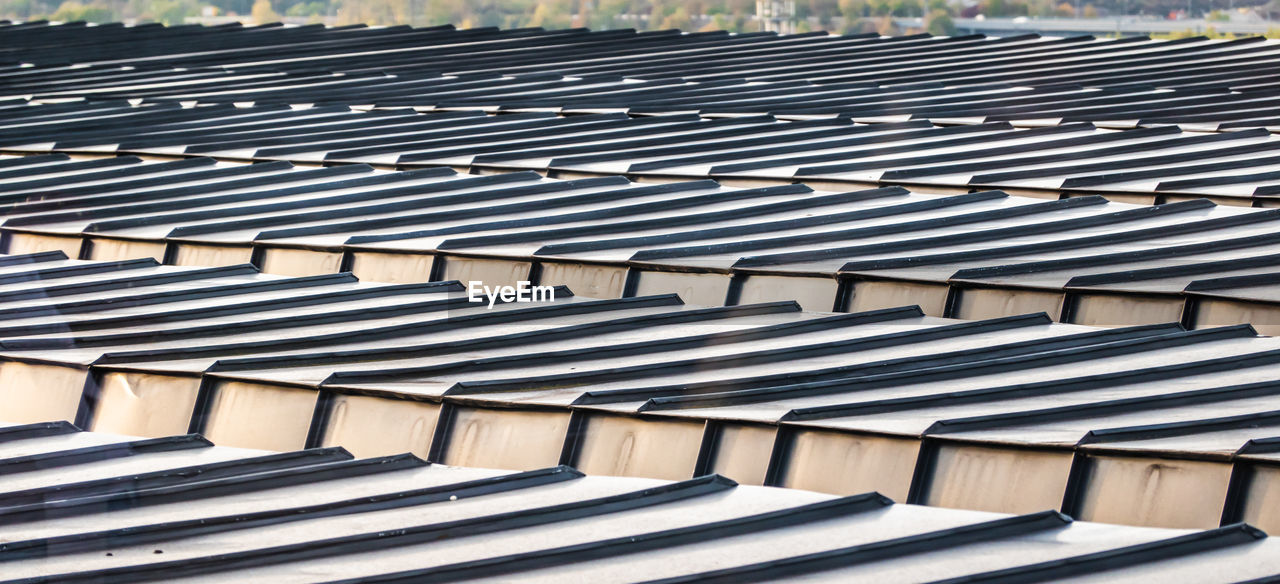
<point x="843" y="16"/>
<point x="940" y="24"/>
<point x="71" y="11"/>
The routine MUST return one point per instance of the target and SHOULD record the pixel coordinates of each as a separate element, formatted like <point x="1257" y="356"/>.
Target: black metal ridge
<point x="901" y="547"/>
<point x="666" y="539"/>
<point x="590" y="329"/>
<point x="1106" y="408"/>
<point x="1031" y="210"/>
<point x="1132" y="162"/>
<point x="85" y="454"/>
<point x="815" y="202"/>
<point x="1210" y="284"/>
<point x="451" y="322"/>
<point x="1228" y="536"/>
<point x="669" y="344"/>
<point x="158" y="278"/>
<point x="77" y="269"/>
<point x="32" y="258"/>
<point x="917" y="369"/>
<point x="133" y="191"/>
<point x="1052" y="387"/>
<point x="391" y="309"/>
<point x="804" y="152"/>
<point x="775" y="355"/>
<point x="37" y="430"/>
<point x="247" y="307"/>
<point x="1111" y="259"/>
<point x="621" y="194"/>
<point x="182" y="205"/>
<point x="167" y="477"/>
<point x="1004" y="233"/>
<point x="173" y="530"/>
<point x="1184" y="428"/>
<point x="560" y="195"/>
<point x="355" y="544"/>
<point x="206" y="215"/>
<point x="969" y="159"/>
<point x="225" y="486"/>
<point x="690" y="218"/>
<point x="1060" y="244"/>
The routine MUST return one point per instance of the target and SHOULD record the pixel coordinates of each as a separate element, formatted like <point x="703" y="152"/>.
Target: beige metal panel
<point x="1040" y="193"/>
<point x="1262" y="499"/>
<point x="702" y="289"/>
<point x="1125" y="309"/>
<point x="511" y="439"/>
<point x="587" y="280"/>
<point x="572" y="174"/>
<point x="1131" y="198"/>
<point x="1005" y="480"/>
<point x="20" y="243"/>
<point x="742" y="452"/>
<point x="142" y="404"/>
<point x="395" y="268"/>
<point x="1265" y="318"/>
<point x="487" y="271"/>
<point x="728" y="181"/>
<point x="877" y="294"/>
<point x="300" y="262"/>
<point x="840" y="186"/>
<point x="1153" y="492"/>
<point x="196" y="254"/>
<point x="31" y="393"/>
<point x="981" y="303"/>
<point x="1218" y="200"/>
<point x="253" y="415"/>
<point x="636" y="447"/>
<point x="106" y="249"/>
<point x="936" y="189"/>
<point x="818" y="294"/>
<point x="376" y="426"/>
<point x="847" y="464"/>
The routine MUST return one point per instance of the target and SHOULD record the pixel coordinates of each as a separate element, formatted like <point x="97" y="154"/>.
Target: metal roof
<point x="1143" y="165"/>
<point x="1202" y="83"/>
<point x="109" y="508"/>
<point x="1082" y="260"/>
<point x="1013" y="414"/>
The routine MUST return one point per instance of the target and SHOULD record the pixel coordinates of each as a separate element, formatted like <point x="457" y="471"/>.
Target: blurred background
<point x="1157" y="18"/>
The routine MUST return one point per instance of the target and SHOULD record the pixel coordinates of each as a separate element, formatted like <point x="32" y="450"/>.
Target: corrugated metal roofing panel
<point x="316" y="514"/>
<point x="647" y="386"/>
<point x="974" y="255"/>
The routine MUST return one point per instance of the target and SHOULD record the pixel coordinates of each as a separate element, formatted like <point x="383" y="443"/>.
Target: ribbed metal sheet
<point x="976" y="255"/>
<point x="1146" y="425"/>
<point x="106" y="508"/>
<point x="1201" y="83"/>
<point x="1145" y="165"/>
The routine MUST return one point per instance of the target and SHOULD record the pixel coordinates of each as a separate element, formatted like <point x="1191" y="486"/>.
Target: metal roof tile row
<point x="107" y="508"/>
<point x="1144" y="165"/>
<point x="985" y="254"/>
<point x="1026" y="79"/>
<point x="1145" y="425"/>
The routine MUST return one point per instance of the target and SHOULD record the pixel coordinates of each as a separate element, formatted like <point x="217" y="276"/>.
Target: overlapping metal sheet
<point x="976" y="255"/>
<point x="1147" y="425"/>
<point x="1196" y="82"/>
<point x="681" y="200"/>
<point x="1145" y="165"/>
<point x="107" y="508"/>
